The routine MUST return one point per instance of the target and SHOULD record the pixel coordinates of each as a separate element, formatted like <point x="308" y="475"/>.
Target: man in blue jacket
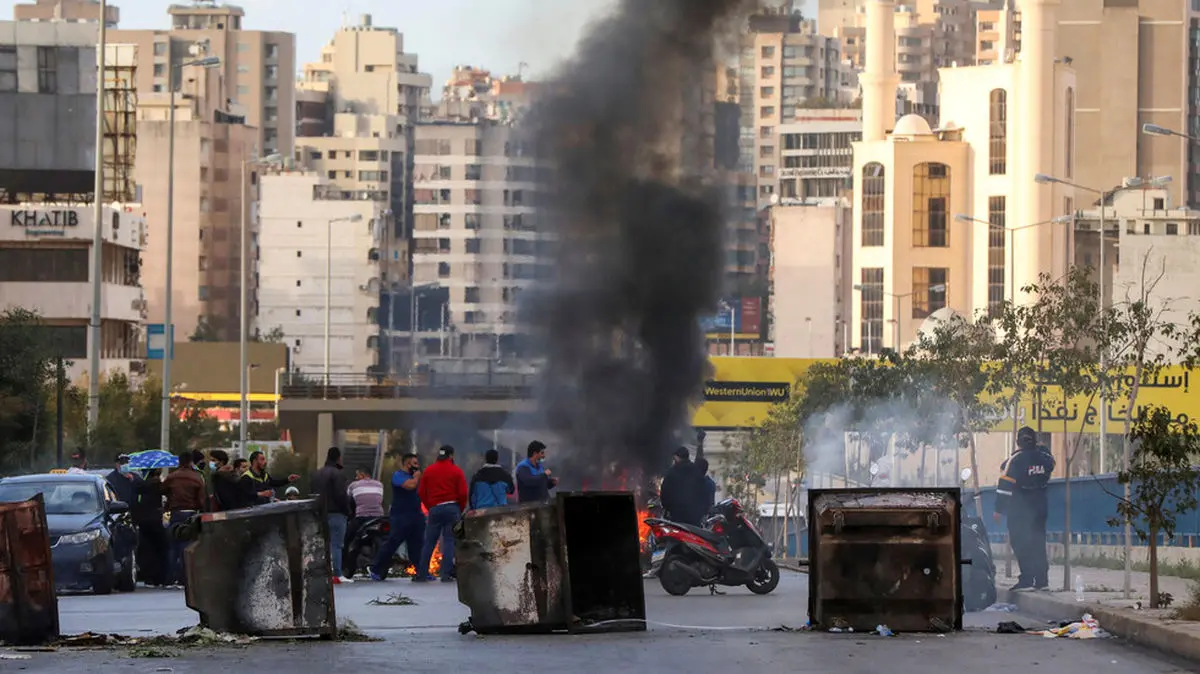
<point x="534" y="482"/>
<point x="491" y="485"/>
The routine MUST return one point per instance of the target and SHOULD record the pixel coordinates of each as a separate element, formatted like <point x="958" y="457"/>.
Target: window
<point x="473" y="246"/>
<point x="8" y="68"/>
<point x="373" y="176"/>
<point x="443" y="270"/>
<point x="789" y="52"/>
<point x="47" y="64"/>
<point x="473" y="147"/>
<point x="1172" y="228"/>
<point x="471" y="295"/>
<point x="768" y="52"/>
<point x="1070" y="132"/>
<point x="766" y="111"/>
<point x="472" y="220"/>
<point x="986" y="45"/>
<point x="1160" y="204"/>
<point x="474" y="172"/>
<point x="767" y="92"/>
<point x="160" y="48"/>
<point x="998" y="133"/>
<point x="243" y="90"/>
<point x="997" y="230"/>
<point x="766" y="131"/>
<point x="929" y="290"/>
<point x="931" y="203"/>
<point x="42" y="265"/>
<point x="443" y="245"/>
<point x="299" y="253"/>
<point x="1194" y="229"/>
<point x="766" y="151"/>
<point x="871" y="295"/>
<point x="272" y="51"/>
<point x="160" y="70"/>
<point x="873" y="186"/>
<point x="202" y="293"/>
<point x="271" y="72"/>
<point x="768" y="72"/>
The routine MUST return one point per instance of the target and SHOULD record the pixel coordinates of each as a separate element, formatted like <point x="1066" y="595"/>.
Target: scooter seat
<point x="706" y="534"/>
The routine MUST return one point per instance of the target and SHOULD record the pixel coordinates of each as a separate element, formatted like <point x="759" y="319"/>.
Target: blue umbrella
<point x="151" y="459"/>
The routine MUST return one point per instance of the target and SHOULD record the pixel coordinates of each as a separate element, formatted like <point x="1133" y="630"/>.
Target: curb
<point x="792" y="565"/>
<point x="1124" y="623"/>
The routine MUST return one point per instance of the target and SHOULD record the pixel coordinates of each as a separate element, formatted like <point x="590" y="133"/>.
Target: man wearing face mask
<point x="407" y="520"/>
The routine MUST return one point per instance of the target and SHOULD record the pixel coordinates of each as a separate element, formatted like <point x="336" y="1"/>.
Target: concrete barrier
<point x="28" y="604"/>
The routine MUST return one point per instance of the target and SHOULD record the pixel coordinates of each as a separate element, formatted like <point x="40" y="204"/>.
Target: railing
<point x="434" y="385"/>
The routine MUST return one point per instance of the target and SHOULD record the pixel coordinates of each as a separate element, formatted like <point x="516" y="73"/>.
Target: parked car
<point x="92" y="539"/>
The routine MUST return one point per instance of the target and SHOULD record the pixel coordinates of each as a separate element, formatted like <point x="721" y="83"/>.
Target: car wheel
<point x="105" y="578"/>
<point x="127" y="580"/>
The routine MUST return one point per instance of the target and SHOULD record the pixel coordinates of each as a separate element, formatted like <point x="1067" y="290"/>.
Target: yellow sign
<point x="743" y="390"/>
<point x="228" y="397"/>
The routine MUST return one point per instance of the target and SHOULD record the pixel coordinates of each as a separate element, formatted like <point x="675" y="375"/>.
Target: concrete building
<point x="817" y="155"/>
<point x="476" y="232"/>
<point x="210" y="153"/>
<point x="473" y="93"/>
<point x="45" y="267"/>
<point x="255" y="71"/>
<point x="997" y="33"/>
<point x="306" y="230"/>
<point x="1005" y="123"/>
<point x="810" y="277"/>
<point x="930" y="34"/>
<point x="1137" y="62"/>
<point x="66" y="10"/>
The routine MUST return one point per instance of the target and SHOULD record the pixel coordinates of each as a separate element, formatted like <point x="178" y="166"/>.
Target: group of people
<point x="425" y="504"/>
<point x="199" y="484"/>
<point x="688" y="492"/>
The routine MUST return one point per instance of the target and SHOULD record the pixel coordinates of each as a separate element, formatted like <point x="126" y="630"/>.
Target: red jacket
<point x="443" y="482"/>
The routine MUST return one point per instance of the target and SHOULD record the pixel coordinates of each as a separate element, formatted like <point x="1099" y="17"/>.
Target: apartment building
<point x="476" y="233"/>
<point x="319" y="270"/>
<point x="255" y="71"/>
<point x="997" y="33"/>
<point x="474" y="93"/>
<point x="45" y="267"/>
<point x="75" y="11"/>
<point x="930" y="34"/>
<point x="810" y="277"/>
<point x="817" y="153"/>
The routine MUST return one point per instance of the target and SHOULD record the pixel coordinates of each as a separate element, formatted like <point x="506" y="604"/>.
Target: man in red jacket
<point x="443" y="492"/>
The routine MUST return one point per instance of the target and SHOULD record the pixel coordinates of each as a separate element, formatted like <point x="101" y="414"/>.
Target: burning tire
<point x="674" y="578"/>
<point x="766" y="579"/>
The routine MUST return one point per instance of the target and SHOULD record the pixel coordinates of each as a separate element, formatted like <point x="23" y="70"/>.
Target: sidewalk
<point x="1122" y="617"/>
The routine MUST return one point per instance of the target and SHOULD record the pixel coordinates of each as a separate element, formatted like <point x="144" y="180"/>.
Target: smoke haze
<point x="639" y="232"/>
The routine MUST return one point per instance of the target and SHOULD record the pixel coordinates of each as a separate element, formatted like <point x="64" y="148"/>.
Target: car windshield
<point x="62" y="498"/>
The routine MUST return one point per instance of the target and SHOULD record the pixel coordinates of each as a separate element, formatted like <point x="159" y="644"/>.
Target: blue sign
<point x="728" y="311"/>
<point x="156" y="341"/>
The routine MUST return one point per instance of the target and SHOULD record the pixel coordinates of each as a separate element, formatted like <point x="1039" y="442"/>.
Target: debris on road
<point x="883" y="631"/>
<point x="187" y="637"/>
<point x="393" y="599"/>
<point x="1011" y="627"/>
<point x="15" y="656"/>
<point x="1086" y="628"/>
<point x="1001" y="608"/>
<point x="350" y="631"/>
<point x="152" y="652"/>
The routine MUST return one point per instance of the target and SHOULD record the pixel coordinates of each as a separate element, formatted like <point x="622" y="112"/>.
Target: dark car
<point x="92" y="539"/>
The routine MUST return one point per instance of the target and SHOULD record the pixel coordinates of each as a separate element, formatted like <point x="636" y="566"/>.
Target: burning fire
<point x="643" y="528"/>
<point x="435" y="563"/>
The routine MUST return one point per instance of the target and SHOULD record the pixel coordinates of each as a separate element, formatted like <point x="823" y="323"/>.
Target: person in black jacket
<point x="329" y="484"/>
<point x="224" y="481"/>
<point x="684" y="493"/>
<point x="1021" y="495"/>
<point x="256" y="486"/>
<point x="492" y="485"/>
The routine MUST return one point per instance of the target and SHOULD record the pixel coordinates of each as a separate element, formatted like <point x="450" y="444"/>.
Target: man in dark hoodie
<point x="224" y="481"/>
<point x="329" y="484"/>
<point x="684" y="493"/>
<point x="491" y="485"/>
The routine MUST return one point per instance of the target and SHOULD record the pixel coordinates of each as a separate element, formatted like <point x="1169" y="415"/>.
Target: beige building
<point x="1137" y="63"/>
<point x="810" y="277"/>
<point x="65" y="10"/>
<point x="208" y="248"/>
<point x="929" y="34"/>
<point x="255" y="71"/>
<point x="817" y="153"/>
<point x="1005" y="123"/>
<point x="997" y="34"/>
<point x="473" y="93"/>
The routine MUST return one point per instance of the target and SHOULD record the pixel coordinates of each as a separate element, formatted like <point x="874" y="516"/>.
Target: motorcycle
<point x="979" y="577"/>
<point x="362" y="548"/>
<point x="727" y="551"/>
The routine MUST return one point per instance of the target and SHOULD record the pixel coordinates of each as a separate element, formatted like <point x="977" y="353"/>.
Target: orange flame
<point x="643" y="528"/>
<point x="435" y="563"/>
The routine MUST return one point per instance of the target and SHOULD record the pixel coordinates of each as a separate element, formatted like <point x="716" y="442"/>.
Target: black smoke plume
<point x="639" y="225"/>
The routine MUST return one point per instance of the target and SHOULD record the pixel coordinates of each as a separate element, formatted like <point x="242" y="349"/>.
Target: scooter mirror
<point x="874" y="469"/>
<point x="966" y="474"/>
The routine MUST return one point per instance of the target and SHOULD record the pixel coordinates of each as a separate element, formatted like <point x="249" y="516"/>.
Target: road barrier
<point x="263" y="571"/>
<point x="572" y="564"/>
<point x="28" y="604"/>
<point x="885" y="557"/>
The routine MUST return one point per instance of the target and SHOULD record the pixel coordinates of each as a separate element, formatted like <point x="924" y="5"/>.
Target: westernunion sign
<point x="743" y="390"/>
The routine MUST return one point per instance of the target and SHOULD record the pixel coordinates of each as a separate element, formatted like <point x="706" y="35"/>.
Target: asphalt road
<point x="698" y="632"/>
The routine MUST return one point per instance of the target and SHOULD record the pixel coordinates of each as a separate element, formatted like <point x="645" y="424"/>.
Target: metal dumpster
<point x="885" y="557"/>
<point x="573" y="564"/>
<point x="28" y="605"/>
<point x="263" y="571"/>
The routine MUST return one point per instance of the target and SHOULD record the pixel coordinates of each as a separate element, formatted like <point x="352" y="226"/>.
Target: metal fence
<point x="433" y="385"/>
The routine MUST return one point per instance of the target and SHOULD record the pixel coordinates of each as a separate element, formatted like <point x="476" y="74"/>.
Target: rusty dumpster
<point x="28" y="605"/>
<point x="885" y="557"/>
<point x="263" y="571"/>
<point x="569" y="565"/>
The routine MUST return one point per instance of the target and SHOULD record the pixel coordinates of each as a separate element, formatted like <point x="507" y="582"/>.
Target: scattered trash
<point x="1002" y="608"/>
<point x="1087" y="628"/>
<point x="15" y="656"/>
<point x="350" y="631"/>
<point x="883" y="631"/>
<point x="393" y="599"/>
<point x="836" y="630"/>
<point x="1010" y="627"/>
<point x="152" y="652"/>
<point x="787" y="628"/>
<point x="188" y="636"/>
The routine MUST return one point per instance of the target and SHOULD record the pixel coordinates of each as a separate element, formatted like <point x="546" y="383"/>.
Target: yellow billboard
<point x="742" y="390"/>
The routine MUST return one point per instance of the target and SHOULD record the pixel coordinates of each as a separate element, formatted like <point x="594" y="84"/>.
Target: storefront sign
<point x="45" y="223"/>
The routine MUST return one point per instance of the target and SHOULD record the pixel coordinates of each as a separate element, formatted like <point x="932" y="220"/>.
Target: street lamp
<point x="1012" y="287"/>
<point x="93" y="409"/>
<point x="937" y="288"/>
<point x="243" y="292"/>
<point x="1132" y="183"/>
<point x="1156" y="130"/>
<point x="173" y="70"/>
<point x="356" y="217"/>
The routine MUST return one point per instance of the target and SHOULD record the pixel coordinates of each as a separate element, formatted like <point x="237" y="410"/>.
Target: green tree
<point x="1162" y="479"/>
<point x="27" y="362"/>
<point x="205" y="331"/>
<point x="273" y="336"/>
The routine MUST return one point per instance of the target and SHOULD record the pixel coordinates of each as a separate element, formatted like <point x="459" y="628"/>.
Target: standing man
<point x="128" y="487"/>
<point x="186" y="496"/>
<point x="329" y="484"/>
<point x="256" y="485"/>
<point x="1021" y="495"/>
<point x="78" y="463"/>
<point x="407" y="522"/>
<point x="491" y="485"/>
<point x="443" y="492"/>
<point x="683" y="491"/>
<point x="224" y="481"/>
<point x="710" y="485"/>
<point x="534" y="482"/>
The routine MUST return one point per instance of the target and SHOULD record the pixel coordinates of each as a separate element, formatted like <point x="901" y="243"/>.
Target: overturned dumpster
<point x="263" y="571"/>
<point x="28" y="605"/>
<point x="572" y="564"/>
<point x="885" y="557"/>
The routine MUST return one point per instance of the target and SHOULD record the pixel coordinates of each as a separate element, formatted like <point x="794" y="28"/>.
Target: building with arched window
<point x="937" y="210"/>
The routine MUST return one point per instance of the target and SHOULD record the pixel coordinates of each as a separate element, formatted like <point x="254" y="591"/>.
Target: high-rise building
<point x="817" y="149"/>
<point x="473" y="93"/>
<point x="256" y="66"/>
<point x="1137" y="63"/>
<point x="930" y="34"/>
<point x="66" y="10"/>
<point x="997" y="33"/>
<point x="319" y="270"/>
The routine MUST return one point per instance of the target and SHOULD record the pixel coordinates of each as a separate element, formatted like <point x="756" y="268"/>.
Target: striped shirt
<point x="367" y="495"/>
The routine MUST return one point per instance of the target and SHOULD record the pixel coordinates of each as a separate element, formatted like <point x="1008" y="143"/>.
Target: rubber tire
<point x="127" y="579"/>
<point x="103" y="583"/>
<point x="360" y="558"/>
<point x="674" y="579"/>
<point x="772" y="582"/>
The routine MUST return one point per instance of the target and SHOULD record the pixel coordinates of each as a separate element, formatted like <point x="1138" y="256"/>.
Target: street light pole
<point x="357" y="217"/>
<point x="93" y="410"/>
<point x="243" y="292"/>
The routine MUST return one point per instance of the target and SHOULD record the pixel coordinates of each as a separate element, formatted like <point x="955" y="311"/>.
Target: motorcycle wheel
<point x="766" y="579"/>
<point x="365" y="558"/>
<point x="674" y="578"/>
